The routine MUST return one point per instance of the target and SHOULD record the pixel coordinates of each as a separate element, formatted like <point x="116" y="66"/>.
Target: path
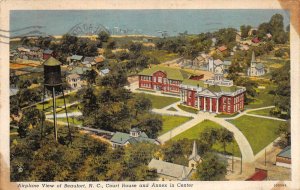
<point x="63" y="115"/>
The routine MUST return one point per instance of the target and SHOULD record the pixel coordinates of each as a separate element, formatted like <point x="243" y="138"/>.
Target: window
<point x="159" y="79"/>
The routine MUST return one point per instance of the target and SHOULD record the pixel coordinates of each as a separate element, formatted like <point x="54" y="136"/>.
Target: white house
<point x="74" y="81"/>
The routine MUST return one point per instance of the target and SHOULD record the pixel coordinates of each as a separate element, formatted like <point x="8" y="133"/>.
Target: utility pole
<point x="241" y="164"/>
<point x="265" y="157"/>
<point x="232" y="158"/>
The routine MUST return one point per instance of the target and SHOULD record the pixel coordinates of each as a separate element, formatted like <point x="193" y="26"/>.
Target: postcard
<point x="150" y="95"/>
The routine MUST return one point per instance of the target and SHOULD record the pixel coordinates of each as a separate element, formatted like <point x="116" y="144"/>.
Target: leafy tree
<point x="142" y="104"/>
<point x="284" y="131"/>
<point x="283" y="91"/>
<point x="225" y="136"/>
<point x="103" y="36"/>
<point x="212" y="168"/>
<point x="89" y="102"/>
<point x="245" y="30"/>
<point x="90" y="76"/>
<point x="151" y="124"/>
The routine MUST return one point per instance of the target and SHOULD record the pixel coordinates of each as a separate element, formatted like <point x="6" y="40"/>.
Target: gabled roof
<point x="73" y="76"/>
<point x="218" y="62"/>
<point x="222" y="48"/>
<point x="259" y="66"/>
<point x="172" y="73"/>
<point x="122" y="138"/>
<point x="79" y="70"/>
<point x="286" y="152"/>
<point x="99" y="59"/>
<point x="104" y="71"/>
<point x="76" y="57"/>
<point x="170" y="169"/>
<point x="89" y="59"/>
<point x="48" y="51"/>
<point x="195" y="83"/>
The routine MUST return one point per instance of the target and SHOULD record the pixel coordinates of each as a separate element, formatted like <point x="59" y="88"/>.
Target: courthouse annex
<point x="216" y="95"/>
<point x="165" y="79"/>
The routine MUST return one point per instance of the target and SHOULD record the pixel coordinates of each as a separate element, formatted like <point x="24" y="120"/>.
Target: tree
<point x="142" y="104"/>
<point x="245" y="30"/>
<point x="225" y="136"/>
<point x="111" y="44"/>
<point x="89" y="102"/>
<point x="284" y="131"/>
<point x="151" y="124"/>
<point x="103" y="36"/>
<point x="212" y="168"/>
<point x="90" y="76"/>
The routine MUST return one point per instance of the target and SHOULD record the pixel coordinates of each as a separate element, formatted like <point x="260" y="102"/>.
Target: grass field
<point x="264" y="112"/>
<point x="171" y="109"/>
<point x="259" y="132"/>
<point x="161" y="55"/>
<point x="193" y="133"/>
<point x="188" y="109"/>
<point x="263" y="98"/>
<point x="170" y="122"/>
<point x="161" y="101"/>
<point x="71" y="120"/>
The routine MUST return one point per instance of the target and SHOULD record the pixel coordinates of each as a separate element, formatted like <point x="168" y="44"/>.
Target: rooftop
<point x="122" y="138"/>
<point x="76" y="57"/>
<point x="172" y="73"/>
<point x="286" y="152"/>
<point x="170" y="169"/>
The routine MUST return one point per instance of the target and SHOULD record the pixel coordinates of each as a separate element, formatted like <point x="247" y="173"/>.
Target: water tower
<point x="53" y="83"/>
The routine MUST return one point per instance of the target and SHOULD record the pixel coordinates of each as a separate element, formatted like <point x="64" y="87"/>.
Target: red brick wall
<point x="191" y="95"/>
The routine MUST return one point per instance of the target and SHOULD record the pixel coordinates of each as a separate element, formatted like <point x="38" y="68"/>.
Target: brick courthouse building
<point x="216" y="95"/>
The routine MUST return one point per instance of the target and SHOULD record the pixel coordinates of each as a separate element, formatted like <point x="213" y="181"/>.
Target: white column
<point x="217" y="109"/>
<point x="198" y="103"/>
<point x="204" y="103"/>
<point x="210" y="104"/>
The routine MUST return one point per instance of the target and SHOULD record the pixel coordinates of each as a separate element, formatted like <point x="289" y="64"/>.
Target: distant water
<point x="148" y="22"/>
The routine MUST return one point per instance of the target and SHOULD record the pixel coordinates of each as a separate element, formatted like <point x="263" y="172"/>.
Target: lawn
<point x="172" y="109"/>
<point x="188" y="109"/>
<point x="193" y="133"/>
<point x="160" y="101"/>
<point x="161" y="55"/>
<point x="260" y="132"/>
<point x="224" y="115"/>
<point x="170" y="122"/>
<point x="48" y="104"/>
<point x="264" y="112"/>
<point x="263" y="98"/>
<point x="71" y="120"/>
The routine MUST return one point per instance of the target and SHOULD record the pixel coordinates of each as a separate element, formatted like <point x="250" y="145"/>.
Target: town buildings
<point x="74" y="81"/>
<point x="165" y="79"/>
<point x="256" y="68"/>
<point x="135" y="136"/>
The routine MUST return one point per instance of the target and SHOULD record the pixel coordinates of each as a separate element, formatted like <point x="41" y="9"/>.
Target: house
<point x="135" y="136"/>
<point x="259" y="175"/>
<point x="47" y="54"/>
<point x="76" y="59"/>
<point x="226" y="65"/>
<point x="36" y="52"/>
<point x="213" y="64"/>
<point x="256" y="68"/>
<point x="284" y="159"/>
<point x="222" y="49"/>
<point x="214" y="42"/>
<point x="79" y="70"/>
<point x="213" y="95"/>
<point x="103" y="72"/>
<point x="268" y="35"/>
<point x="255" y="40"/>
<point x="168" y="171"/>
<point x="88" y="61"/>
<point x="165" y="79"/>
<point x="99" y="59"/>
<point x="74" y="81"/>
